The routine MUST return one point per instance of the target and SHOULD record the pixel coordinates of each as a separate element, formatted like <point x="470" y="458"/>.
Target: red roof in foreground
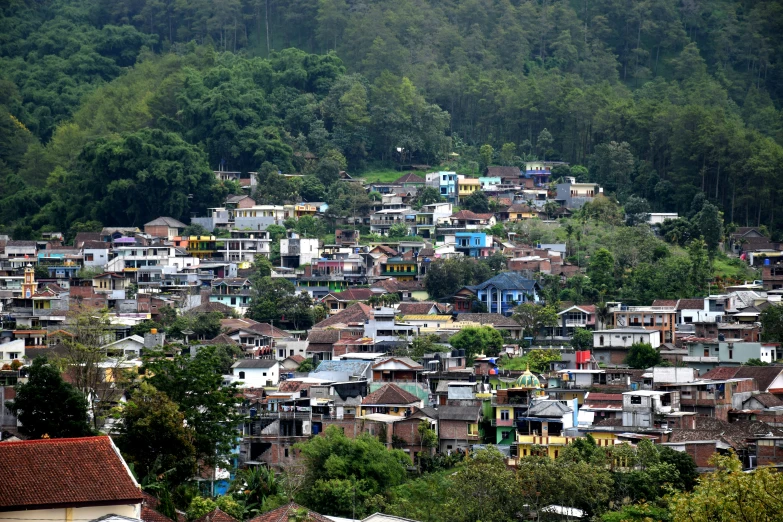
<point x="40" y="474"/>
<point x="281" y="514"/>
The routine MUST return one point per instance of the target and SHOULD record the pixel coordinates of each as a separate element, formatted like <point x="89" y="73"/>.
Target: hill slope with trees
<point x="659" y="99"/>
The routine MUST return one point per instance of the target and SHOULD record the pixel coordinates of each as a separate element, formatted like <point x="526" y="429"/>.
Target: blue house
<point x="446" y="183"/>
<point x="473" y="244"/>
<point x="505" y="291"/>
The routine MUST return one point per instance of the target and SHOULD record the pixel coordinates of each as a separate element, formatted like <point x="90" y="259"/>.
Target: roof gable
<point x="390" y="394"/>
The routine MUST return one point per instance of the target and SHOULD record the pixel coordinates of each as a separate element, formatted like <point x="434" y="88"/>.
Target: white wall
<point x="621" y="339"/>
<point x="74" y="514"/>
<point x="257" y="377"/>
<point x="15" y="347"/>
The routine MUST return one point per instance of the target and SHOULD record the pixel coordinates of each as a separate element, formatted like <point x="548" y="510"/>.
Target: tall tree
<point x="46" y="405"/>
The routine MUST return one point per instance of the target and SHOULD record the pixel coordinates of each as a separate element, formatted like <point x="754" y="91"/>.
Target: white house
<point x="625" y="337"/>
<point x="77" y="479"/>
<point x="256" y="373"/>
<point x="12" y="351"/>
<point x="129" y="347"/>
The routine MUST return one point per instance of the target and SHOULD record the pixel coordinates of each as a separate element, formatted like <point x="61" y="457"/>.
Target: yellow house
<point x="467" y="186"/>
<point x="305" y="209"/>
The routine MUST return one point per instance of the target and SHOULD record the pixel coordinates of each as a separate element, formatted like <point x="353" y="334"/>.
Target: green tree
<point x="39" y="414"/>
<point x="483" y="489"/>
<point x="642" y="355"/>
<point x="199" y="507"/>
<point x="729" y="494"/>
<point x="427" y="196"/>
<point x="153" y="436"/>
<point x="398" y="230"/>
<point x="535" y="317"/>
<point x="539" y="359"/>
<point x="701" y="271"/>
<point x="710" y="224"/>
<point x="601" y="271"/>
<point x="195" y="230"/>
<point x="478" y="340"/>
<point x="582" y="339"/>
<point x="342" y="473"/>
<point x="507" y="152"/>
<point x="486" y="154"/>
<point x="195" y="384"/>
<point x="772" y="324"/>
<point x="637" y="211"/>
<point x="544" y="142"/>
<point x="477" y="202"/>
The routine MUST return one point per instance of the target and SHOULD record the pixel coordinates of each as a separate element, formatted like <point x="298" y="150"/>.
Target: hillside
<point x="658" y="99"/>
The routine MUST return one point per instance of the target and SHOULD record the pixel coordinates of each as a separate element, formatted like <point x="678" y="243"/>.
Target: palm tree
<point x="390" y="299"/>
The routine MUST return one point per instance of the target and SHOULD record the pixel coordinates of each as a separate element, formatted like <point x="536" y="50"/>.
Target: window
<point x="731" y="354"/>
<point x="264" y="374"/>
<point x="601" y="340"/>
<point x="636" y="399"/>
<point x="506" y="435"/>
<point x="89" y="257"/>
<point x="706" y="352"/>
<point x="472" y="430"/>
<point x="286" y="452"/>
<point x="291" y="353"/>
<point x="504" y="415"/>
<point x="241" y="375"/>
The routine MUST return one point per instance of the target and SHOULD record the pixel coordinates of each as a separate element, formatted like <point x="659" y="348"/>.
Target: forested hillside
<point x="115" y="112"/>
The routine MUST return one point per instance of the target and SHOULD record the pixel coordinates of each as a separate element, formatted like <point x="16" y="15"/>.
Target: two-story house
<point x="473" y="244"/>
<point x="445" y="183"/>
<point x="256" y="373"/>
<point x="467" y="186"/>
<point x="573" y="195"/>
<point x="502" y="293"/>
<point x="576" y="316"/>
<point x="661" y="318"/>
<point x="705" y="354"/>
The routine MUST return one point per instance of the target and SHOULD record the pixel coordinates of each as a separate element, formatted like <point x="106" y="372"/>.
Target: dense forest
<point x="115" y="112"/>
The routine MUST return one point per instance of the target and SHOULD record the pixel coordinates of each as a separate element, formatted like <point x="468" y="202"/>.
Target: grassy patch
<point x="380" y="175"/>
<point x="733" y="268"/>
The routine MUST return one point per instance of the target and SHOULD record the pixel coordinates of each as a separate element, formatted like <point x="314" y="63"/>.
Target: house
<point x="496" y="321"/>
<point x="473" y="244"/>
<point x="410" y="180"/>
<point x="574" y="195"/>
<point x="355" y="314"/>
<point x="705" y="354"/>
<point x="576" y="316"/>
<point x="396" y="369"/>
<point x="296" y="251"/>
<point x="336" y="302"/>
<point x="445" y="183"/>
<point x="661" y="318"/>
<point x="458" y="427"/>
<point x="390" y="399"/>
<point x="471" y="221"/>
<point x="519" y="212"/>
<point x="418" y="308"/>
<point x="129" y="347"/>
<point x="66" y="479"/>
<point x="401" y="268"/>
<point x="612" y="346"/>
<point x="541" y="171"/>
<point x="164" y="227"/>
<point x="467" y="186"/>
<point x="95" y="253"/>
<point x="507" y="175"/>
<point x="256" y="373"/>
<point x="505" y="291"/>
<point x="348" y="238"/>
<point x="12" y="351"/>
<point x="343" y="371"/>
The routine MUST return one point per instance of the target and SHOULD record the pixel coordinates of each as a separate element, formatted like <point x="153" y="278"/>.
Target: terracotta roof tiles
<point x="216" y="516"/>
<point x="76" y="471"/>
<point x="356" y="313"/>
<point x="281" y="514"/>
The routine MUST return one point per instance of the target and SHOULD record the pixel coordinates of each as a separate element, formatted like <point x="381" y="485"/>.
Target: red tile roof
<point x="294" y="386"/>
<point x="390" y="394"/>
<point x="216" y="516"/>
<point x="690" y="304"/>
<point x="354" y="294"/>
<point x="150" y="515"/>
<point x="720" y="373"/>
<point x="468" y="214"/>
<point x="281" y="514"/>
<point x="356" y="313"/>
<point x="665" y="302"/>
<point x="422" y="308"/>
<point x="58" y="472"/>
<point x="594" y="396"/>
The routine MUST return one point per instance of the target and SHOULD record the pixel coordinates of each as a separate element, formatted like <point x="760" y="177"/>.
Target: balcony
<point x="399" y="273"/>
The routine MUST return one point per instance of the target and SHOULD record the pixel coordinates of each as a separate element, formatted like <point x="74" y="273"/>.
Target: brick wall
<point x="701" y="453"/>
<point x="453" y="430"/>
